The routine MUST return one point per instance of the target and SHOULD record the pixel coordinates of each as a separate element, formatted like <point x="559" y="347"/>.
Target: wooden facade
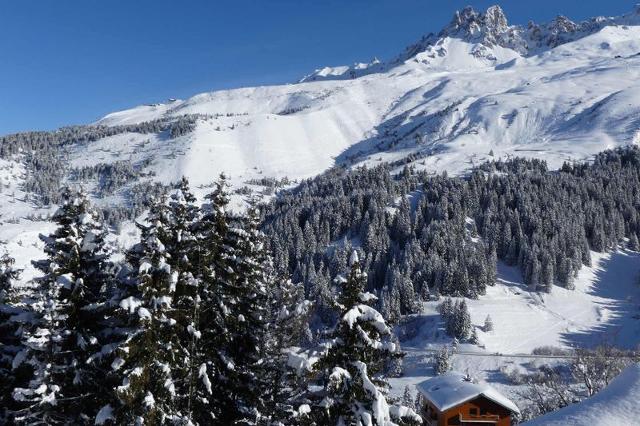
<point x="479" y="411"/>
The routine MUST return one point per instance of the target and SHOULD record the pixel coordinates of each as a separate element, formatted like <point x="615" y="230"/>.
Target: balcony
<point x="478" y="419"/>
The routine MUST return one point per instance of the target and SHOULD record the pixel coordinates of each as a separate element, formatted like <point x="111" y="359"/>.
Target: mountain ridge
<point x="455" y="104"/>
<point x="488" y="29"/>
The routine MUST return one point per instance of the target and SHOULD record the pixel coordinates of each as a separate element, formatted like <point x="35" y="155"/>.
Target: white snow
<point x="202" y="373"/>
<point x="300" y="361"/>
<point x="603" y="308"/>
<point x="452" y="389"/>
<point x="615" y="405"/>
<point x="144" y="313"/>
<point x="149" y="400"/>
<point x="105" y="414"/>
<point x="338" y="374"/>
<point x="366" y="314"/>
<point x="380" y="407"/>
<point x="604" y="302"/>
<point x="117" y="363"/>
<point x="130" y="304"/>
<point x="192" y="330"/>
<point x="303" y="409"/>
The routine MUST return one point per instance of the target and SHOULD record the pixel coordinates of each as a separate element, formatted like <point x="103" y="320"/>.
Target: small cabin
<point x="455" y="399"/>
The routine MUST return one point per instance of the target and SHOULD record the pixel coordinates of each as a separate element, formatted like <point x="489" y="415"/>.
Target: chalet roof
<point x="452" y="389"/>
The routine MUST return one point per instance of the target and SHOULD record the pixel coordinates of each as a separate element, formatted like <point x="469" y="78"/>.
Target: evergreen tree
<point x="442" y="361"/>
<point x="473" y="339"/>
<point x="152" y="353"/>
<point x="234" y="270"/>
<point x="247" y="286"/>
<point x="287" y="322"/>
<point x="211" y="400"/>
<point x="488" y="324"/>
<point x="10" y="345"/>
<point x="351" y="369"/>
<point x="183" y="255"/>
<point x="65" y="342"/>
<point x="407" y="399"/>
<point x="462" y="322"/>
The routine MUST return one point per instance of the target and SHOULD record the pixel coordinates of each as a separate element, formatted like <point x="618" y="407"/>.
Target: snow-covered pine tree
<point x="152" y="353"/>
<point x="473" y="338"/>
<point x="183" y="256"/>
<point x="231" y="266"/>
<point x="247" y="296"/>
<point x="210" y="400"/>
<point x="488" y="324"/>
<point x="65" y="342"/>
<point x="407" y="399"/>
<point x="462" y="323"/>
<point x="418" y="403"/>
<point x="10" y="344"/>
<point x="351" y="369"/>
<point x="442" y="361"/>
<point x="287" y="324"/>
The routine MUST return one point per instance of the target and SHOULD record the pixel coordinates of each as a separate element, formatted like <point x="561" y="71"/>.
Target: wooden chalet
<point x="455" y="399"/>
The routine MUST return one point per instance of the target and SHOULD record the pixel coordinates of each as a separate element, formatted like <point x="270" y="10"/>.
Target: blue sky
<point x="72" y="61"/>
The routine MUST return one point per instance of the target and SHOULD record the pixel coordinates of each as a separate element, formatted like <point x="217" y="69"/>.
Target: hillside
<point x="479" y="90"/>
<point x="446" y="103"/>
<point x="615" y="405"/>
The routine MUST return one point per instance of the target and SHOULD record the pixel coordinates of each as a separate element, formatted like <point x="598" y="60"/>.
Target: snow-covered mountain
<point x="556" y="91"/>
<point x="479" y="89"/>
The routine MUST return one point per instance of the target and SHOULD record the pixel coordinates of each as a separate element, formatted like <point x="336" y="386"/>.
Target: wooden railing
<point x="484" y="417"/>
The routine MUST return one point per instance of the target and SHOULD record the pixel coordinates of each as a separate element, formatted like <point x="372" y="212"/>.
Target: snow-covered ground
<point x="604" y="308"/>
<point x="454" y="103"/>
<point x="616" y="405"/>
<point x="456" y="99"/>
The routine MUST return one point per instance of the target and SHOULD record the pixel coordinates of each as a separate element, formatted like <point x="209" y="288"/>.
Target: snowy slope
<point x="604" y="308"/>
<point x="447" y="101"/>
<point x="556" y="91"/>
<point x="480" y="89"/>
<point x="616" y="405"/>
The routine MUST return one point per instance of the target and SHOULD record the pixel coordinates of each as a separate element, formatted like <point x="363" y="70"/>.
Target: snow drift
<point x="615" y="405"/>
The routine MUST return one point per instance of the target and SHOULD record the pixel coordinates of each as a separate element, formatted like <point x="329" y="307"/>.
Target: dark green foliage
<point x="149" y="355"/>
<point x="445" y="236"/>
<point x="456" y="318"/>
<point x="69" y="329"/>
<point x="351" y="370"/>
<point x="10" y="375"/>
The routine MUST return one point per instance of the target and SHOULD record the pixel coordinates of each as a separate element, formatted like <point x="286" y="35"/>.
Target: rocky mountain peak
<point x="470" y="24"/>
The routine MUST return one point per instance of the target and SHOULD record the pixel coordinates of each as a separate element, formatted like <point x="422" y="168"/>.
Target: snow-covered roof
<point x="617" y="404"/>
<point x="452" y="389"/>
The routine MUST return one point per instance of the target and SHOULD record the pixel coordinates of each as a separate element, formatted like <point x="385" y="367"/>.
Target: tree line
<point x="194" y="326"/>
<point x="427" y="235"/>
<point x="43" y="153"/>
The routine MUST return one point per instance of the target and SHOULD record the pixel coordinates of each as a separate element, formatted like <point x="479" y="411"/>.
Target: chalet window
<point x="473" y="411"/>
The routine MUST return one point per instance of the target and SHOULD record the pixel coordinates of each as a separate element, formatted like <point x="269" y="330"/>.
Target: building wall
<point x="481" y="404"/>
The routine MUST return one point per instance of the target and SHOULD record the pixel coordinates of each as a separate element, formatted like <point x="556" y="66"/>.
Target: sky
<point x="68" y="62"/>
